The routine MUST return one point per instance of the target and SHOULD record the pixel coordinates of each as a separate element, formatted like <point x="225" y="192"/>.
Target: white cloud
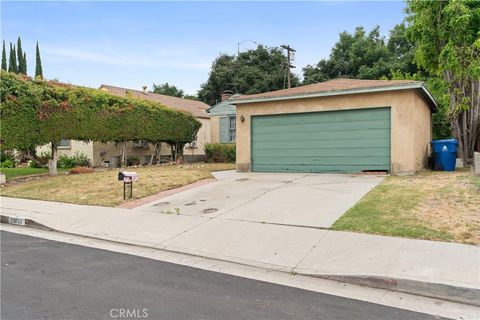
<point x="164" y="59"/>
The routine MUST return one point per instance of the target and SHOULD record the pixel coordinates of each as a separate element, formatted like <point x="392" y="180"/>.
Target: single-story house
<point x="341" y="125"/>
<point x="223" y="120"/>
<point x="108" y="154"/>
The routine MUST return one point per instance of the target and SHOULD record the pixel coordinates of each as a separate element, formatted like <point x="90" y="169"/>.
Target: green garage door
<point x="330" y="141"/>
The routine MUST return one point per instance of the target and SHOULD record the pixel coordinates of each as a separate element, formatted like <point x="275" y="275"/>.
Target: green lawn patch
<point x="432" y="205"/>
<point x="25" y="171"/>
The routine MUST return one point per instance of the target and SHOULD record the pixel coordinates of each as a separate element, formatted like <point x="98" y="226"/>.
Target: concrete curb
<point x="457" y="294"/>
<point x="441" y="291"/>
<point x="23" y="222"/>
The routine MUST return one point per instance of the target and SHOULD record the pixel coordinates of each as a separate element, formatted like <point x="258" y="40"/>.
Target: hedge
<point x="220" y="152"/>
<point x="35" y="112"/>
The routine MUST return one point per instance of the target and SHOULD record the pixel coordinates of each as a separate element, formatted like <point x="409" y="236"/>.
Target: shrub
<point x="5" y="155"/>
<point x="42" y="159"/>
<point x="220" y="152"/>
<point x="80" y="170"/>
<point x="77" y="160"/>
<point x="133" y="161"/>
<point x="7" y="164"/>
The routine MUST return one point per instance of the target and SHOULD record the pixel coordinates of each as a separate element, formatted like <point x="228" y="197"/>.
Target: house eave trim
<point x="345" y="92"/>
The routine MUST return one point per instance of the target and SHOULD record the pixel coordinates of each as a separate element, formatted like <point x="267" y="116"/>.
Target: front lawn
<point x="431" y="205"/>
<point x="103" y="189"/>
<point x="25" y="171"/>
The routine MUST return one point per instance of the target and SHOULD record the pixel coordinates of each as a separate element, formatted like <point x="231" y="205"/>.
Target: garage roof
<point x="339" y="87"/>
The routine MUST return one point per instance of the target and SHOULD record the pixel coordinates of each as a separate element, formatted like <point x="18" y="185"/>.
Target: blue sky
<point x="132" y="44"/>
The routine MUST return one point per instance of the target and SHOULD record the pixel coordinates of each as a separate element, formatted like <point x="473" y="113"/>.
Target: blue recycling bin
<point x="445" y="154"/>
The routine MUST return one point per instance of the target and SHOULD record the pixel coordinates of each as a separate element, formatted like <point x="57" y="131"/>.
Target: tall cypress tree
<point x="12" y="63"/>
<point x="4" y="57"/>
<point x="38" y="66"/>
<point x="21" y="62"/>
<point x="25" y="62"/>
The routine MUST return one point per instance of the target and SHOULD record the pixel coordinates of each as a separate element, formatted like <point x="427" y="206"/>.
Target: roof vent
<point x="144" y="89"/>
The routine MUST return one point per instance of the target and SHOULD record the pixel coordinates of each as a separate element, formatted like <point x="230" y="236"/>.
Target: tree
<point x="358" y="55"/>
<point x="447" y="36"/>
<point x="253" y="71"/>
<point x="12" y="63"/>
<point x="168" y="90"/>
<point x="21" y="58"/>
<point x="363" y="55"/>
<point x="37" y="112"/>
<point x="4" y="57"/>
<point x="25" y="63"/>
<point x="38" y="64"/>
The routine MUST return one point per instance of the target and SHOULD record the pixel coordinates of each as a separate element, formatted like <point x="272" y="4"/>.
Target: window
<point x="140" y="144"/>
<point x="64" y="143"/>
<point x="232" y="129"/>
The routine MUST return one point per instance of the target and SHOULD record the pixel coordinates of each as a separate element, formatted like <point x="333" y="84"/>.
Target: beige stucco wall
<point x="85" y="148"/>
<point x="215" y="129"/>
<point x="410" y="123"/>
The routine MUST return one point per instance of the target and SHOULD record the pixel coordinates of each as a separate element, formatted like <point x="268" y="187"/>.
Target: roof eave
<point x="418" y="85"/>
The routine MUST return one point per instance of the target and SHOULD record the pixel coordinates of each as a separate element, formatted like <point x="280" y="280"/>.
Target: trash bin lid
<point x="445" y="141"/>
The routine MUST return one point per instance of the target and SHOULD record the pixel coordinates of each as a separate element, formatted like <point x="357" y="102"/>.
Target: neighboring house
<point x="223" y="119"/>
<point x="108" y="154"/>
<point x="341" y="125"/>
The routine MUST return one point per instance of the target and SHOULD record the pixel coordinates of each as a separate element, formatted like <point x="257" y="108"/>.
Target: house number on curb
<point x="17" y="221"/>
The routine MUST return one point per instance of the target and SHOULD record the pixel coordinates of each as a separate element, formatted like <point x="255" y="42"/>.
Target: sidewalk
<point x="443" y="270"/>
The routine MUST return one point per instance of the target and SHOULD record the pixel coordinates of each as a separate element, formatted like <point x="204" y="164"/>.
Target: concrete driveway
<point x="300" y="199"/>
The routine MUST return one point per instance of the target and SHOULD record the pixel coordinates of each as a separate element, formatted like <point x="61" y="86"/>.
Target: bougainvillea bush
<point x="35" y="112"/>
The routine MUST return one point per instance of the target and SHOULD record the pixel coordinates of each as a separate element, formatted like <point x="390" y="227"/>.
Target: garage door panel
<point x="332" y="117"/>
<point x="360" y="134"/>
<point x="332" y="141"/>
<point x="308" y="160"/>
<point x="322" y="144"/>
<point x="313" y="168"/>
<point x="324" y="127"/>
<point x="323" y="152"/>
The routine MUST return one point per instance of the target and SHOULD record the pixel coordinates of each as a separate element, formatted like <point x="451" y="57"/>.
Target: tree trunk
<point x="157" y="151"/>
<point x="179" y="153"/>
<point x="153" y="153"/>
<point x="172" y="152"/>
<point x="466" y="120"/>
<point x="52" y="163"/>
<point x="123" y="159"/>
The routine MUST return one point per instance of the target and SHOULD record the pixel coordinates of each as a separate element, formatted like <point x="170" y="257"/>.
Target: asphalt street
<point x="43" y="279"/>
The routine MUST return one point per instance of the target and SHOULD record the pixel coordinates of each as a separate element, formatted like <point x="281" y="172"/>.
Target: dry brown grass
<point x="102" y="188"/>
<point x="430" y="205"/>
<point x="451" y="203"/>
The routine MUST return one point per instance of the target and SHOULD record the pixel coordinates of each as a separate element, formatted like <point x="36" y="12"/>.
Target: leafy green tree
<point x="168" y="90"/>
<point x="25" y="62"/>
<point x="4" y="57"/>
<point x="38" y="65"/>
<point x="190" y="97"/>
<point x="12" y="63"/>
<point x="21" y="58"/>
<point x="253" y="71"/>
<point x="402" y="50"/>
<point x="36" y="112"/>
<point x="359" y="55"/>
<point x="447" y="36"/>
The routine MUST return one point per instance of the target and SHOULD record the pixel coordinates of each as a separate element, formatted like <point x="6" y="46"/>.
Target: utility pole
<point x="290" y="57"/>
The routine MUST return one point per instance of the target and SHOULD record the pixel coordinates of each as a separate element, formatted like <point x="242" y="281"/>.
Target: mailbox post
<point x="128" y="178"/>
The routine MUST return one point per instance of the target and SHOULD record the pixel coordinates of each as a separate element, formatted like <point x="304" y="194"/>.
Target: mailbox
<point x="127" y="176"/>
